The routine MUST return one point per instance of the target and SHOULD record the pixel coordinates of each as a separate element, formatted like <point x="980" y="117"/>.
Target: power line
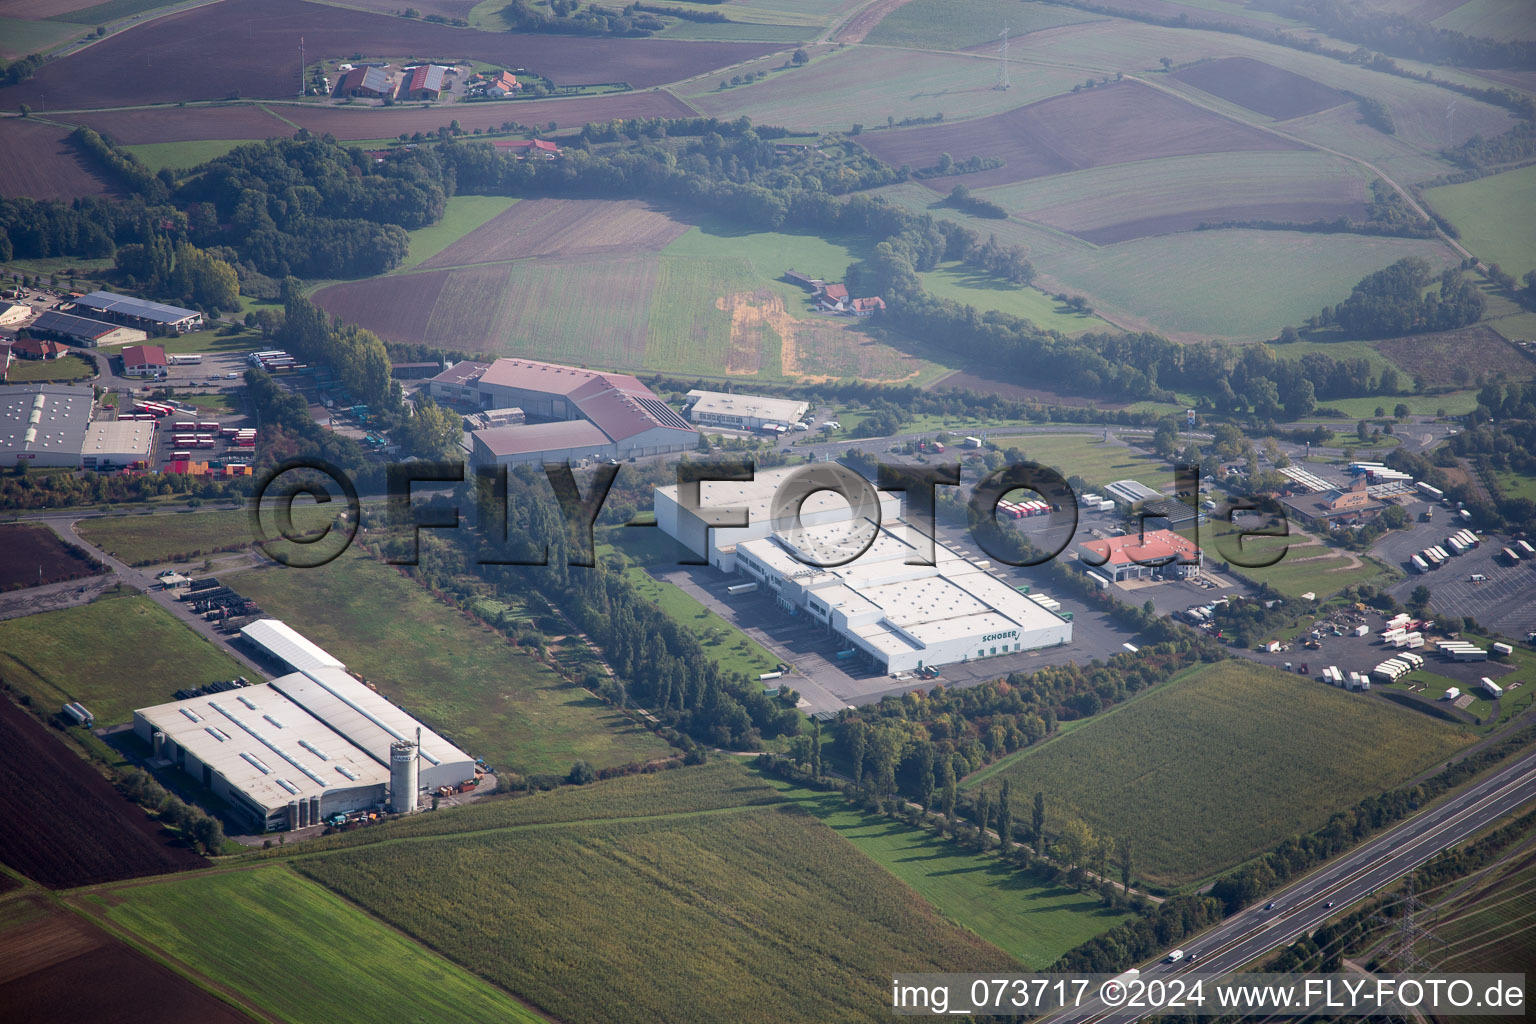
<point x="1002" y="63"/>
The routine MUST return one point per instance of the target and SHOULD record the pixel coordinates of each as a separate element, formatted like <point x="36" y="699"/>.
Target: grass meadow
<point x="610" y="920"/>
<point x="1036" y="922"/>
<point x="19" y="36"/>
<point x="940" y="25"/>
<point x="299" y="951"/>
<point x="1243" y="285"/>
<point x="112" y="655"/>
<point x="1097" y="461"/>
<point x="463" y="215"/>
<point x="1187" y="770"/>
<point x="1488" y="926"/>
<point x="963" y="283"/>
<point x="182" y="536"/>
<point x="869" y="85"/>
<point x="183" y="156"/>
<point x="1487" y="213"/>
<point x="464" y="680"/>
<point x="65" y="368"/>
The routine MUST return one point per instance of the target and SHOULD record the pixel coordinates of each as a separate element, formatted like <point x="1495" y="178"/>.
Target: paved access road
<point x="1301" y="907"/>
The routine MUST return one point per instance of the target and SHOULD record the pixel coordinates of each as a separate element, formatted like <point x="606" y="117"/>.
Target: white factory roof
<point x="913" y="606"/>
<point x="265" y="745"/>
<point x="122" y="437"/>
<point x="719" y="403"/>
<point x="44" y="418"/>
<point x="288" y="646"/>
<point x="756" y="496"/>
<point x="363" y="716"/>
<point x="1131" y="491"/>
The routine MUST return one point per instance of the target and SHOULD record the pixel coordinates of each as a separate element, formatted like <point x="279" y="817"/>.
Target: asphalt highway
<point x="1302" y="906"/>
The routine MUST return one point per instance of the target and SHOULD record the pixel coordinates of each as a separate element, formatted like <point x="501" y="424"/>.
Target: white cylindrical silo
<point x="403" y="774"/>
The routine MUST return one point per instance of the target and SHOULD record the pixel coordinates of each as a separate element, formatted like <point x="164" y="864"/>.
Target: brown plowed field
<point x="409" y="299"/>
<point x="1108" y="125"/>
<point x="57" y="968"/>
<point x="33" y="555"/>
<point x="64" y="824"/>
<point x="1260" y="87"/>
<point x="133" y="127"/>
<point x="1435" y="357"/>
<point x="562" y="227"/>
<point x="249" y="48"/>
<point x="379" y="123"/>
<point x="37" y="160"/>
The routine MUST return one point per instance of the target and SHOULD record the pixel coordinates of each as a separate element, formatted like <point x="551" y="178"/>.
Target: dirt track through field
<point x="1108" y="125"/>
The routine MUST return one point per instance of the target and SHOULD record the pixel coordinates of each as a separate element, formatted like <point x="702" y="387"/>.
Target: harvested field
<point x="188" y="124"/>
<point x="256" y="39"/>
<point x="34" y="555"/>
<point x="57" y="967"/>
<point x="1112" y="204"/>
<point x="524" y="308"/>
<point x="65" y="825"/>
<point x="1108" y="125"/>
<point x="1261" y="88"/>
<point x="1435" y="357"/>
<point x="408" y="299"/>
<point x="379" y="123"/>
<point x="943" y="25"/>
<point x="560" y="227"/>
<point x="872" y="83"/>
<point x="863" y="23"/>
<point x="37" y="160"/>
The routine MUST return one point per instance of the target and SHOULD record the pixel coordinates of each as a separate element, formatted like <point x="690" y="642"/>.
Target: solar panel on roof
<point x="159" y="312"/>
<point x="663" y="413"/>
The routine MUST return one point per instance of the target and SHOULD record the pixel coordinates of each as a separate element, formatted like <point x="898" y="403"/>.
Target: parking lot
<point x="1505" y="602"/>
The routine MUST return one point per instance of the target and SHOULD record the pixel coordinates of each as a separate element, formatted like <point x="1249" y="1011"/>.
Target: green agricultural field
<point x="65" y="368"/>
<point x="1493" y="19"/>
<point x="463" y="215"/>
<point x="1488" y="213"/>
<point x="184" y="536"/>
<point x="299" y="951"/>
<point x="465" y="681"/>
<point x="936" y="24"/>
<point x="1097" y="461"/>
<point x="182" y="156"/>
<point x="718" y="785"/>
<point x="1188" y="769"/>
<point x="19" y="37"/>
<point x="719" y="309"/>
<point x="1491" y="925"/>
<point x="867" y="85"/>
<point x="1457" y="403"/>
<point x="1227" y="281"/>
<point x="1034" y="921"/>
<point x="614" y="918"/>
<point x="82" y="654"/>
<point x="1220" y="183"/>
<point x="964" y="283"/>
<point x="783" y="21"/>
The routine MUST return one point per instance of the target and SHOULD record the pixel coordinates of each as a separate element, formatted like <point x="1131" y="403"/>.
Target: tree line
<point x="1392" y="302"/>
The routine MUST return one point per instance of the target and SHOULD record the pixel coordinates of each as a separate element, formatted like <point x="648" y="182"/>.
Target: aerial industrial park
<point x="764" y="511"/>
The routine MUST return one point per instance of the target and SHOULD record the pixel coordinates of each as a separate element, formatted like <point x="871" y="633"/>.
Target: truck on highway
<point x="1174" y="957"/>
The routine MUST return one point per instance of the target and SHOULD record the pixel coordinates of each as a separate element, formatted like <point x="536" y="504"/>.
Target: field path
<point x="1269" y="129"/>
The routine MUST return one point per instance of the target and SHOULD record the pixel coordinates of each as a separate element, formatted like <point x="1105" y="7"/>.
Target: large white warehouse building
<point x="900" y="617"/>
<point x="307" y="745"/>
